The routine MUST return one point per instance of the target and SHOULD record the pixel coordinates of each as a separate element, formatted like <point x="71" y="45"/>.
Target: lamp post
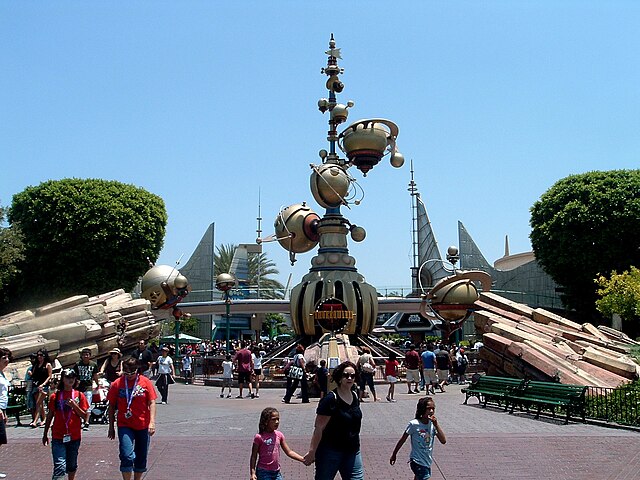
<point x="225" y="282"/>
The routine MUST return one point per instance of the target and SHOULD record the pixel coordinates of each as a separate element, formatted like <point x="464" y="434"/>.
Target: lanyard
<point x="66" y="415"/>
<point x="129" y="397"/>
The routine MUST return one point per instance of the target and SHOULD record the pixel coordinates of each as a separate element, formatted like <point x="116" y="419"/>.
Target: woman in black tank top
<point x="41" y="376"/>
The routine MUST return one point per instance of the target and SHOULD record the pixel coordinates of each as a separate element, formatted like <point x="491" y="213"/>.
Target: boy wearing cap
<point x="87" y="373"/>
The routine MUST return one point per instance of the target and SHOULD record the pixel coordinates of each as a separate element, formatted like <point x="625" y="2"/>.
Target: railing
<point x="618" y="405"/>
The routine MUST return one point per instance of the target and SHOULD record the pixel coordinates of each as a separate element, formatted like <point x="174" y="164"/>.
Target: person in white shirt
<point x="5" y="358"/>
<point x="227" y="376"/>
<point x="166" y="373"/>
<point x="256" y="357"/>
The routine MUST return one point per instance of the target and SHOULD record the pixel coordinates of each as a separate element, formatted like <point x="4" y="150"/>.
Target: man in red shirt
<point x="412" y="364"/>
<point x="244" y="367"/>
<point x="134" y="398"/>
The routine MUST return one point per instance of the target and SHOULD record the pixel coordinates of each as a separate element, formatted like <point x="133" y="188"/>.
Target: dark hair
<point x="421" y="408"/>
<point x="130" y="362"/>
<point x="85" y="350"/>
<point x="299" y="348"/>
<point x="228" y="357"/>
<point x="45" y="354"/>
<point x="7" y="352"/>
<point x="338" y="372"/>
<point x="323" y="363"/>
<point x="392" y="356"/>
<point x="66" y="372"/>
<point x="265" y="416"/>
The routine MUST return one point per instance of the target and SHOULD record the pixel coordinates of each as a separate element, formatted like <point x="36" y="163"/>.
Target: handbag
<point x="295" y="372"/>
<point x="368" y="368"/>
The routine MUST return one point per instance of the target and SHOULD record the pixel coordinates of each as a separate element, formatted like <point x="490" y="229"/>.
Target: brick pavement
<point x="200" y="436"/>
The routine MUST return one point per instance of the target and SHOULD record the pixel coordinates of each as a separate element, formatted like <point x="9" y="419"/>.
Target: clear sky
<point x="205" y="103"/>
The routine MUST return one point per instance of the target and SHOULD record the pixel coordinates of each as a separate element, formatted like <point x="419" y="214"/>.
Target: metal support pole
<point x="228" y="315"/>
<point x="176" y="332"/>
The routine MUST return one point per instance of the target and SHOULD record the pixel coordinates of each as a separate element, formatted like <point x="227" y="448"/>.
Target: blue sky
<point x="206" y="103"/>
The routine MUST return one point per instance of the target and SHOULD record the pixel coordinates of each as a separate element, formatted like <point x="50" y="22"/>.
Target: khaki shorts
<point x="430" y="375"/>
<point x="442" y="375"/>
<point x="413" y="376"/>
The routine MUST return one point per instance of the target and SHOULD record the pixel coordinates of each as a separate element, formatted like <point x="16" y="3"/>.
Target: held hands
<point x="309" y="458"/>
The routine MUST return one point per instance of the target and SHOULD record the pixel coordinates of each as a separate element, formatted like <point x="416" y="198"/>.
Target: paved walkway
<point x="201" y="436"/>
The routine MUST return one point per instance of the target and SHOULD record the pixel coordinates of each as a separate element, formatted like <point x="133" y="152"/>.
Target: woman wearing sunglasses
<point x="134" y="398"/>
<point x="41" y="374"/>
<point x="335" y="443"/>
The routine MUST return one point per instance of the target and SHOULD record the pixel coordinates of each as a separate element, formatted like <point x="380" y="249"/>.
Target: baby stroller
<point x="99" y="404"/>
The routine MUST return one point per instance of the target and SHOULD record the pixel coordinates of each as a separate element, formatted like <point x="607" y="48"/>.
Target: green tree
<point x="584" y="226"/>
<point x="85" y="237"/>
<point x="259" y="266"/>
<point x="11" y="254"/>
<point x="620" y="293"/>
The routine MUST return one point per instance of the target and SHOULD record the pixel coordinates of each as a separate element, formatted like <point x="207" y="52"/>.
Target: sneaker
<point x="239" y="396"/>
<point x="253" y="395"/>
<point x="229" y="396"/>
<point x="416" y="391"/>
<point x="164" y="403"/>
<point x="222" y="395"/>
<point x="410" y="392"/>
<point x="286" y="401"/>
<point x="388" y="399"/>
<point x="257" y="395"/>
<point x="85" y="427"/>
<point x="3" y="475"/>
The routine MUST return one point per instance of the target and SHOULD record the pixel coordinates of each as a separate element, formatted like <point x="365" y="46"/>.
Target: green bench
<point x="491" y="389"/>
<point x="549" y="395"/>
<point x="17" y="403"/>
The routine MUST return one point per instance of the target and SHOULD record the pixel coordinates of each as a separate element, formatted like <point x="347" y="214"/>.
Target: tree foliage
<point x="85" y="237"/>
<point x="11" y="254"/>
<point x="584" y="226"/>
<point x="620" y="293"/>
<point x="260" y="267"/>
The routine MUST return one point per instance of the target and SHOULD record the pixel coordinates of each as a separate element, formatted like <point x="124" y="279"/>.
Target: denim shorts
<point x="65" y="456"/>
<point x="329" y="462"/>
<point x="134" y="446"/>
<point x="263" y="474"/>
<point x="420" y="471"/>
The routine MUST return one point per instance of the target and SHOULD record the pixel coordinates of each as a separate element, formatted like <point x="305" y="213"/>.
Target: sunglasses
<point x="349" y="375"/>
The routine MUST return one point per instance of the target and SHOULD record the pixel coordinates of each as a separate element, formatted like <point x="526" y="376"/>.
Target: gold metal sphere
<point x="358" y="234"/>
<point x="329" y="185"/>
<point x="295" y="228"/>
<point x="397" y="160"/>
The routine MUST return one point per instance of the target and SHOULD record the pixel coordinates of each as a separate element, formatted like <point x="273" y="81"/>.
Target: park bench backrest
<point x="550" y="390"/>
<point x="497" y="383"/>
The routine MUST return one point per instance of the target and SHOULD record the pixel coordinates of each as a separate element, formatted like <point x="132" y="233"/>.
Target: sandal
<point x="33" y="425"/>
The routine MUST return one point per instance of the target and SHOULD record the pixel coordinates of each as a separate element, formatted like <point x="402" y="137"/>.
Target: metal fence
<point x="618" y="405"/>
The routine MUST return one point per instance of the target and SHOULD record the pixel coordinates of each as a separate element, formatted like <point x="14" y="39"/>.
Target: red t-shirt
<point x="243" y="357"/>
<point x="390" y="367"/>
<point x="65" y="419"/>
<point x="140" y="395"/>
<point x="412" y="360"/>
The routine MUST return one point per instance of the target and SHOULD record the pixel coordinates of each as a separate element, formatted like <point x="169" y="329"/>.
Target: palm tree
<point x="260" y="267"/>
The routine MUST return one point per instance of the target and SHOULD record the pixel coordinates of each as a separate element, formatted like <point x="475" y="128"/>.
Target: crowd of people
<point x="131" y="397"/>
